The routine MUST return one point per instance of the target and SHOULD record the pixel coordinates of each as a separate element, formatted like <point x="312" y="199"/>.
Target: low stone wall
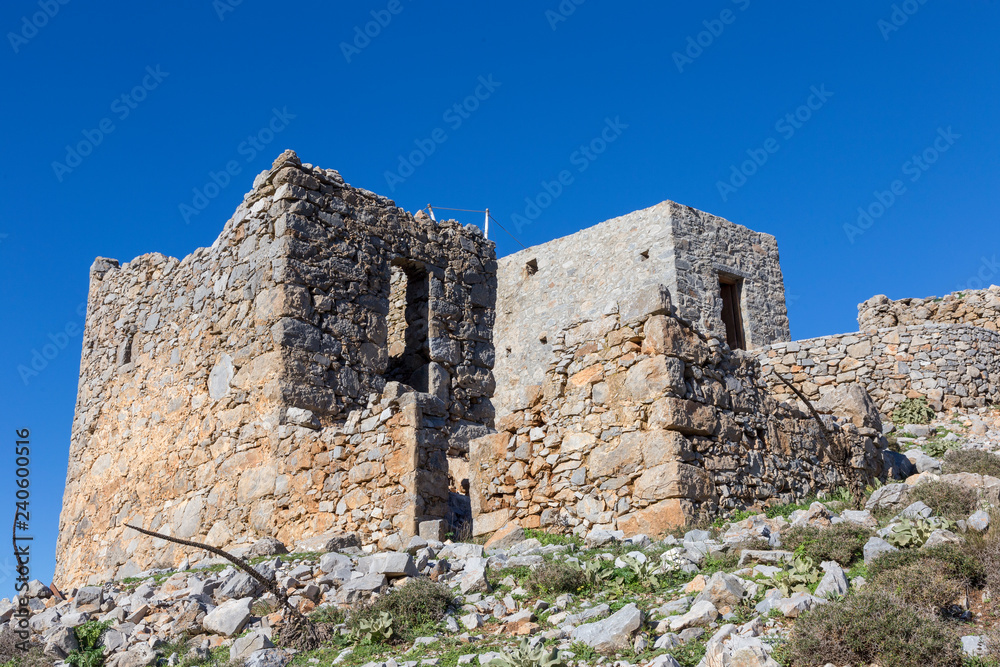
<point x="950" y="364"/>
<point x="980" y="308"/>
<point x="642" y="425"/>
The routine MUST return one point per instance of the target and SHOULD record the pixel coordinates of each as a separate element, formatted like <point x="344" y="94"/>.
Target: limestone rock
<point x="229" y="617"/>
<point x="613" y="633"/>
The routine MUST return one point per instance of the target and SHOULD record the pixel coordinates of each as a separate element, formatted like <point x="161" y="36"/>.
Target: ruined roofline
<point x="670" y="208"/>
<point x="263" y="186"/>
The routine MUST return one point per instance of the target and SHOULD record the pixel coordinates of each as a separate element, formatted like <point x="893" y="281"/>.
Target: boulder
<point x="61" y="643"/>
<point x="244" y="646"/>
<point x="834" y="582"/>
<point x="875" y="547"/>
<point x="89" y="599"/>
<point x="796" y="605"/>
<point x="267" y="546"/>
<point x="980" y="521"/>
<point x="852" y="401"/>
<point x="268" y="657"/>
<point x="597" y="538"/>
<point x="229" y="617"/>
<point x="613" y="633"/>
<point x="139" y="656"/>
<point x="890" y="497"/>
<point x="701" y="614"/>
<point x="392" y="564"/>
<point x="238" y="585"/>
<point x="722" y="590"/>
<point x="504" y="538"/>
<point x="897" y="466"/>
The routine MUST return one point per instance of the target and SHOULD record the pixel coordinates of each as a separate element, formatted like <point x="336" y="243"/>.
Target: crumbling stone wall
<point x="242" y="391"/>
<point x="951" y="365"/>
<point x="584" y="277"/>
<point x="980" y="308"/>
<point x="641" y="423"/>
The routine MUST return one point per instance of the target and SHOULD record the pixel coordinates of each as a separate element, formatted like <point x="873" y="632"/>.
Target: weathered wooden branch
<point x="269" y="584"/>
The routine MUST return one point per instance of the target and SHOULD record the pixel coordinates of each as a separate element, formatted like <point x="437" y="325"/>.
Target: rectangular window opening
<point x="731" y="290"/>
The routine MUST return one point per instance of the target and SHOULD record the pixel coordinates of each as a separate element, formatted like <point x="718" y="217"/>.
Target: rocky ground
<point x="908" y="580"/>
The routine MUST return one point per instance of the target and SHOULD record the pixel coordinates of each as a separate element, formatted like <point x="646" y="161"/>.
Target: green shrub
<point x="872" y="626"/>
<point x="952" y="501"/>
<point x="416" y="603"/>
<point x="971" y="460"/>
<point x="913" y="411"/>
<point x="555" y="576"/>
<point x="842" y="542"/>
<point x="949" y="559"/>
<point x="88" y="636"/>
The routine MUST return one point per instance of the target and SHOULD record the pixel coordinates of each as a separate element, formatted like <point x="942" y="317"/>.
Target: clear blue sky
<point x="211" y="75"/>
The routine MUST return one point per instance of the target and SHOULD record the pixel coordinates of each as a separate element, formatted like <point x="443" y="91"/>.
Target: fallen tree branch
<point x="299" y="630"/>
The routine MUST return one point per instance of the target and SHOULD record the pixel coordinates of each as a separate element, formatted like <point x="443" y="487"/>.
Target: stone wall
<point x="950" y="364"/>
<point x="980" y="308"/>
<point x="242" y="392"/>
<point x="642" y="423"/>
<point x="585" y="276"/>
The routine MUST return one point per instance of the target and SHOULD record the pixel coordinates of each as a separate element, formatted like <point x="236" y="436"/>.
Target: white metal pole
<point x="431" y="212"/>
<point x="487" y="224"/>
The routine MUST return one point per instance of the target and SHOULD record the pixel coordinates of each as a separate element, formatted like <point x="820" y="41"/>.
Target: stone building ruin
<point x="333" y="364"/>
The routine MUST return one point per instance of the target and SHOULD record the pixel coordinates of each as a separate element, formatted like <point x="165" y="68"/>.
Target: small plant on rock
<point x="913" y="411"/>
<point x="524" y="655"/>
